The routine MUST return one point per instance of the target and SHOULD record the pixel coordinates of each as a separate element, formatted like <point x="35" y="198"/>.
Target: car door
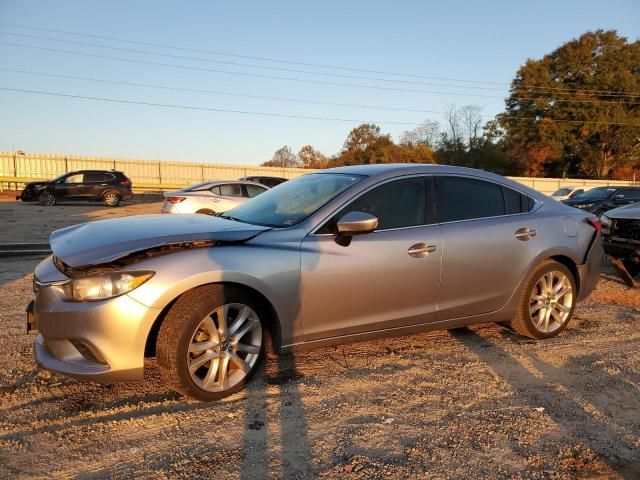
<point x="71" y="187"/>
<point x="95" y="184"/>
<point x="490" y="238"/>
<point x="226" y="196"/>
<point x="384" y="279"/>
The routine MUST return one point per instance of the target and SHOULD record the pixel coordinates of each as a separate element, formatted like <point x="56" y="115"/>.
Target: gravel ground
<point x="468" y="403"/>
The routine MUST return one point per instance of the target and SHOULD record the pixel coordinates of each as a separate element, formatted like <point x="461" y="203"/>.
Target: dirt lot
<point x="469" y="403"/>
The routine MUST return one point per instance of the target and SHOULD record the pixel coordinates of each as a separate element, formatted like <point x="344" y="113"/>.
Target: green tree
<point x="577" y="109"/>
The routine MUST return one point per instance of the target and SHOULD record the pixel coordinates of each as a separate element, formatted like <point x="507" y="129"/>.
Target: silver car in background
<point x="211" y="197"/>
<point x="333" y="256"/>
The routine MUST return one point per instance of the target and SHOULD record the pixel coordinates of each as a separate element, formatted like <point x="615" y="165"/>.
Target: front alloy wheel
<point x="546" y="302"/>
<point x="47" y="199"/>
<point x="224" y="347"/>
<point x="211" y="342"/>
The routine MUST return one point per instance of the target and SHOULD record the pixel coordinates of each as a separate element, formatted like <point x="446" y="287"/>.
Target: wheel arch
<point x="571" y="265"/>
<point x="273" y="321"/>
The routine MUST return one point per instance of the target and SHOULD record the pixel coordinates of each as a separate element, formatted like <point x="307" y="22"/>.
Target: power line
<point x="238" y="64"/>
<point x="216" y="92"/>
<point x="269" y="114"/>
<point x="302" y="80"/>
<point x="612" y="93"/>
<point x="265" y="59"/>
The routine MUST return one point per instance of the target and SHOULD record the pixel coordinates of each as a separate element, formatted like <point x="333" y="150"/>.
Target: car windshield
<point x="292" y="201"/>
<point x="561" y="192"/>
<point x="594" y="193"/>
<point x="59" y="177"/>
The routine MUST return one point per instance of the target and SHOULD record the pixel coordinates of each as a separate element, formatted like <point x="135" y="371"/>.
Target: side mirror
<point x="619" y="196"/>
<point x="356" y="223"/>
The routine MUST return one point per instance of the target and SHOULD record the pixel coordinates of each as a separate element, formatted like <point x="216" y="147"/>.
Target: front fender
<point x="274" y="273"/>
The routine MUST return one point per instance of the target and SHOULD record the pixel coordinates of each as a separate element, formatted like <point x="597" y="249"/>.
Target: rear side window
<point x="461" y="198"/>
<point x="98" y="177"/>
<point x="231" y="190"/>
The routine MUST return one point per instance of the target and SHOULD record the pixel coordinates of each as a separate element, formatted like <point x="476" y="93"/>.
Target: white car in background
<point x="564" y="193"/>
<point x="211" y="197"/>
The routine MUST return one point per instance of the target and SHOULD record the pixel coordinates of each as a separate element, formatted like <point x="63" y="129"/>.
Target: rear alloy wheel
<point x="47" y="199"/>
<point x="546" y="302"/>
<point x="111" y="199"/>
<point x="211" y="342"/>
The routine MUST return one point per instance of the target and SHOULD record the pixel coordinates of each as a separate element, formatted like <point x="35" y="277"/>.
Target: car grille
<point x="627" y="229"/>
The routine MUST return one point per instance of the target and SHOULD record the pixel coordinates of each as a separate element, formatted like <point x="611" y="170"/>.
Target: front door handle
<point x="421" y="250"/>
<point x="525" y="233"/>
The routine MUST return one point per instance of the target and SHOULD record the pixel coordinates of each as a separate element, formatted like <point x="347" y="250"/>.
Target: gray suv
<point x="334" y="256"/>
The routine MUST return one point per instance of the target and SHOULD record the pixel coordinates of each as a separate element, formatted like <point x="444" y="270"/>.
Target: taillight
<point x="175" y="199"/>
<point x="125" y="181"/>
<point x="595" y="223"/>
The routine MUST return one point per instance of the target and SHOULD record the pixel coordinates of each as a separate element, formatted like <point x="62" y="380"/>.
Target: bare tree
<point x="426" y="133"/>
<point x="472" y="123"/>
<point x="283" y="157"/>
<point x="454" y="127"/>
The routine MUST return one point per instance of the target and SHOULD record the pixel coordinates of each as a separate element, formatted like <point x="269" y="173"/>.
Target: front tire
<point x="47" y="199"/>
<point x="547" y="301"/>
<point x="211" y="342"/>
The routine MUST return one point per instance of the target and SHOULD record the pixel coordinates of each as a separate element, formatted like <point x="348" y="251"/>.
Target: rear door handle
<point x="525" y="233"/>
<point x="421" y="250"/>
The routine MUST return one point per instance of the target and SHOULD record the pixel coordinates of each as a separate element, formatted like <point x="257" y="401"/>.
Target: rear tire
<point x="211" y="342"/>
<point x="547" y="301"/>
<point x="47" y="199"/>
<point x="111" y="199"/>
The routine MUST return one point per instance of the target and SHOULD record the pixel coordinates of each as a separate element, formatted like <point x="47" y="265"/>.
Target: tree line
<point x="575" y="112"/>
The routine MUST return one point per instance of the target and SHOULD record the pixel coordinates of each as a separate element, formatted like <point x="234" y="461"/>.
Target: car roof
<point x="214" y="183"/>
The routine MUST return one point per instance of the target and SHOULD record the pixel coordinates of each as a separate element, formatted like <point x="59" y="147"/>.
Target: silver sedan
<point x="334" y="256"/>
<point x="211" y="197"/>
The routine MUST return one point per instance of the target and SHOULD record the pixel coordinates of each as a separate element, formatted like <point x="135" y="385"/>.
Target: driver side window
<point x="76" y="178"/>
<point x="396" y="204"/>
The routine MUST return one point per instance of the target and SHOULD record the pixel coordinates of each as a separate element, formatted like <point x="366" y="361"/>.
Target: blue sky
<point x="469" y="40"/>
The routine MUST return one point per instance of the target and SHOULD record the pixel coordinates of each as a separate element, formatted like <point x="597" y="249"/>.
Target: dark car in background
<point x="266" y="181"/>
<point x="621" y="236"/>
<point x="600" y="199"/>
<point x="106" y="186"/>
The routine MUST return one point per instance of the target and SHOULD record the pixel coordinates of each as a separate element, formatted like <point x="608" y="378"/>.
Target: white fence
<point x="161" y="175"/>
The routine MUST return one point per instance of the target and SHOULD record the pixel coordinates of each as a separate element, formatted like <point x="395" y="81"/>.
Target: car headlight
<point x="585" y="205"/>
<point x="103" y="287"/>
<point x="606" y="224"/>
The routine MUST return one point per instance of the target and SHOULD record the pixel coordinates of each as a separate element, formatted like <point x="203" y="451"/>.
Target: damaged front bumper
<point x="100" y="341"/>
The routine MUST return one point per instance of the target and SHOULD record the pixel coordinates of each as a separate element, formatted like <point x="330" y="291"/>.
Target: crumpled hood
<point x="631" y="211"/>
<point x="103" y="241"/>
